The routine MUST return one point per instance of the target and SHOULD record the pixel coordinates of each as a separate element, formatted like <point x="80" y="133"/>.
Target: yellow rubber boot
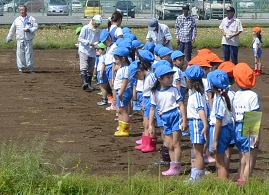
<point x="124" y="130"/>
<point x="120" y="127"/>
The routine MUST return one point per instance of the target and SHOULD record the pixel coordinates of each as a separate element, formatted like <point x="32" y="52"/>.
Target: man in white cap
<point x="89" y="35"/>
<point x="159" y="33"/>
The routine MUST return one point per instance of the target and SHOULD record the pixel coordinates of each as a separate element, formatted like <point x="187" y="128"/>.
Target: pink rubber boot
<point x="144" y="144"/>
<point x="151" y="146"/>
<point x="139" y="141"/>
<point x="173" y="170"/>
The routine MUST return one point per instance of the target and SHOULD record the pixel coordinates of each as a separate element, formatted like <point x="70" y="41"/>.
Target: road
<point x="140" y="20"/>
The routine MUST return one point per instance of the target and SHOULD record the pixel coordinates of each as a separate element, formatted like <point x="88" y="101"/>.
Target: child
<point x="170" y="115"/>
<point x="257" y="50"/>
<point x="165" y="53"/>
<point x="196" y="114"/>
<point x="101" y="76"/>
<point x="245" y="100"/>
<point x="228" y="67"/>
<point x="123" y="90"/>
<point x="113" y="26"/>
<point x="150" y="46"/>
<point x="177" y="58"/>
<point x="220" y="120"/>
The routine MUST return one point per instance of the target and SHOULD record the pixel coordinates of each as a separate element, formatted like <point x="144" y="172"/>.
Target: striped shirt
<point x="185" y="28"/>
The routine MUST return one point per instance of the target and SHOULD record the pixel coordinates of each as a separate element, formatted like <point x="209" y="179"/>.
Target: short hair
<point x="23" y="6"/>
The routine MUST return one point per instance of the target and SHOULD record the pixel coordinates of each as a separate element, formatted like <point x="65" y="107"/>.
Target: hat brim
<point x="100" y="46"/>
<point x="98" y="21"/>
<point x="151" y="28"/>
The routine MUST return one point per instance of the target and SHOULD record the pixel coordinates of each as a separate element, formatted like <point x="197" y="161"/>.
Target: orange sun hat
<point x="204" y="51"/>
<point x="212" y="57"/>
<point x="227" y="67"/>
<point x="200" y="61"/>
<point x="244" y="76"/>
<point x="257" y="29"/>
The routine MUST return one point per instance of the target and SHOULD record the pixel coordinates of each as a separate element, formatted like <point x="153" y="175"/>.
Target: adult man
<point x="88" y="36"/>
<point x="24" y="26"/>
<point x="159" y="33"/>
<point x="230" y="28"/>
<point x="185" y="31"/>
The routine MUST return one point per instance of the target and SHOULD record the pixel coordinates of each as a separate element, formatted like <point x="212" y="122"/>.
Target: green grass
<point x="48" y="37"/>
<point x="25" y="169"/>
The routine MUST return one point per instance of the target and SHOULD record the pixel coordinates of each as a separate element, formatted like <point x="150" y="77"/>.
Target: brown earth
<point x="51" y="101"/>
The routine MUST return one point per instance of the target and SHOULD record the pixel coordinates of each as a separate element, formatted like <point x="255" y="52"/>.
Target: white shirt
<point x="256" y="42"/>
<point x="178" y="76"/>
<point x="19" y="24"/>
<point x="196" y="102"/>
<point x="101" y="62"/>
<point x="160" y="37"/>
<point x="234" y="27"/>
<point x="207" y="87"/>
<point x="139" y="85"/>
<point x="109" y="59"/>
<point x="122" y="74"/>
<point x="220" y="111"/>
<point x="231" y="94"/>
<point x="118" y="31"/>
<point x="245" y="101"/>
<point x="166" y="99"/>
<point x="148" y="84"/>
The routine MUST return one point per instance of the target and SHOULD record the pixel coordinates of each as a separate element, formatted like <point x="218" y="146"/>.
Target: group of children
<point x="154" y="79"/>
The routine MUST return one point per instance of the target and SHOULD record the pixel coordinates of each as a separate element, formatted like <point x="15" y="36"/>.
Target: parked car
<point x="126" y="8"/>
<point x="10" y="7"/>
<point x="58" y="8"/>
<point x="1" y="8"/>
<point x="246" y="4"/>
<point x="76" y="5"/>
<point x="92" y="8"/>
<point x="34" y="6"/>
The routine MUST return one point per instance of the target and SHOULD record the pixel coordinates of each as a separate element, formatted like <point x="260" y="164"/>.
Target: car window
<point x="58" y="2"/>
<point x="124" y="4"/>
<point x="93" y="4"/>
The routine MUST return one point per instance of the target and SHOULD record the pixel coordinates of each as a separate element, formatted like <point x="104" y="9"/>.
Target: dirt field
<point x="51" y="101"/>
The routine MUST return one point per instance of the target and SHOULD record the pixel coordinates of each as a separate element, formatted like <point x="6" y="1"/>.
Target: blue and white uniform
<point x="139" y="91"/>
<point x="196" y="102"/>
<point x="115" y="32"/>
<point x="109" y="60"/>
<point x="168" y="106"/>
<point x="245" y="100"/>
<point x="98" y="69"/>
<point x="208" y="89"/>
<point x="220" y="111"/>
<point x="149" y="82"/>
<point x="123" y="74"/>
<point x="256" y="42"/>
<point x="178" y="76"/>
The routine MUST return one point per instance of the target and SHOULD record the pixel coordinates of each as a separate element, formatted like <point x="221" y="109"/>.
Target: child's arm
<point x="210" y="100"/>
<point x="184" y="116"/>
<point x="205" y="123"/>
<point x="102" y="71"/>
<point x="134" y="93"/>
<point x="216" y="134"/>
<point x="122" y="89"/>
<point x="151" y="128"/>
<point x="178" y="85"/>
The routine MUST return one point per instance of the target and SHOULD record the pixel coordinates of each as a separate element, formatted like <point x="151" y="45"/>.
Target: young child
<point x="101" y="76"/>
<point x="123" y="90"/>
<point x="221" y="130"/>
<point x="257" y="50"/>
<point x="165" y="53"/>
<point x="196" y="114"/>
<point x="177" y="58"/>
<point x="245" y="100"/>
<point x="173" y="115"/>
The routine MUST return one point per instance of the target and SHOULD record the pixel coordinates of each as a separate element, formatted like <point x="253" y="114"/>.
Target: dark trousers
<point x="230" y="51"/>
<point x="187" y="47"/>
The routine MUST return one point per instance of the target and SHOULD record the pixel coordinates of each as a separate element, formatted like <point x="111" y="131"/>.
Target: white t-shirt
<point x="139" y="85"/>
<point x="122" y="74"/>
<point x="118" y="31"/>
<point x="234" y="27"/>
<point x="196" y="102"/>
<point x="166" y="99"/>
<point x="231" y="94"/>
<point x="101" y="62"/>
<point x="256" y="42"/>
<point x="207" y="87"/>
<point x="109" y="59"/>
<point x="245" y="101"/>
<point x="178" y="76"/>
<point x="220" y="111"/>
<point x="148" y="84"/>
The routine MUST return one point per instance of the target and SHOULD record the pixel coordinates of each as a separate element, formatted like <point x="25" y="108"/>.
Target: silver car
<point x="58" y="8"/>
<point x="1" y="8"/>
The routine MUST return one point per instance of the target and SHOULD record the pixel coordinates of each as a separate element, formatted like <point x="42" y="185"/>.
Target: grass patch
<point x="65" y="38"/>
<point x="24" y="169"/>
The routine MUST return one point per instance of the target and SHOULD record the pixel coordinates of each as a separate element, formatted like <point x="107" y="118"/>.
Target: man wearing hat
<point x="159" y="33"/>
<point x="185" y="31"/>
<point x="230" y="28"/>
<point x="89" y="34"/>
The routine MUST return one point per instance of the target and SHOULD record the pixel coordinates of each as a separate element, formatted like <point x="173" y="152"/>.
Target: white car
<point x="76" y="6"/>
<point x="10" y="7"/>
<point x="1" y="8"/>
<point x="246" y="4"/>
